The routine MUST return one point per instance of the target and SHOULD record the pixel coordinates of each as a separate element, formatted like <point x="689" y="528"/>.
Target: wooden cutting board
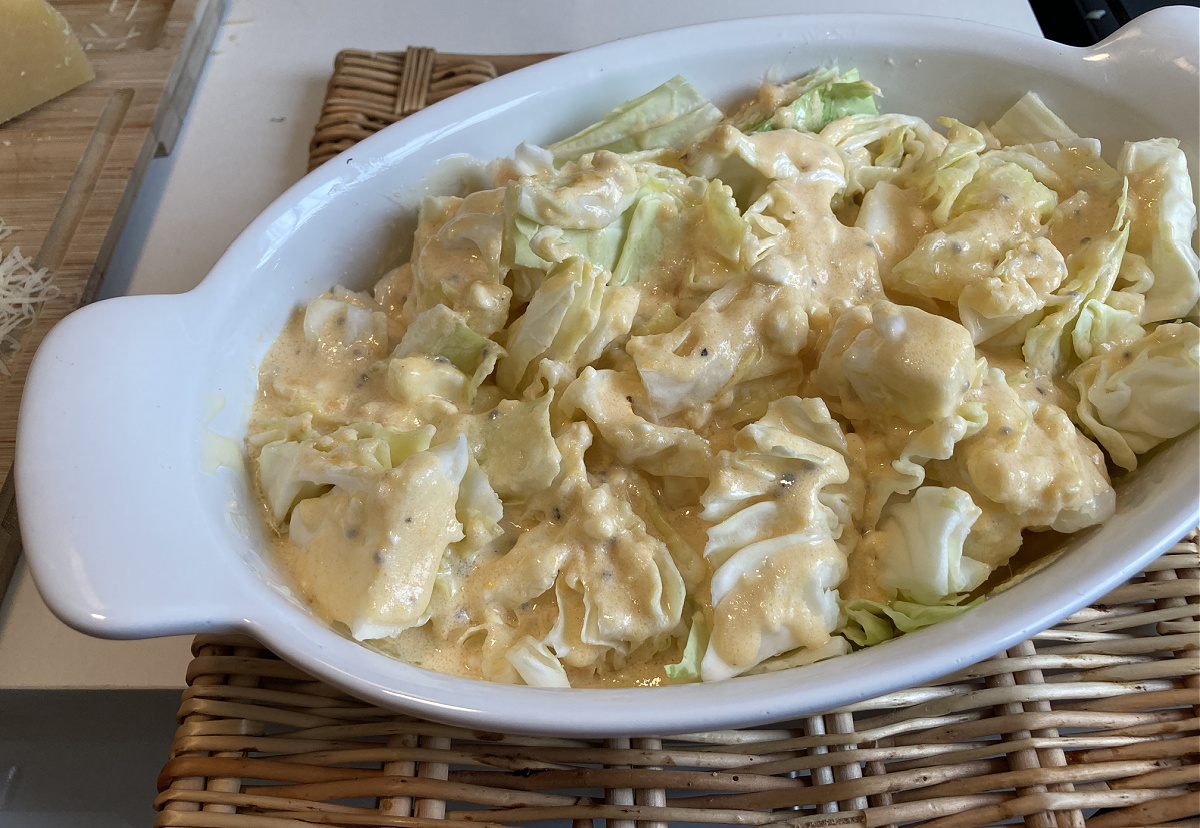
<point x="70" y="168"/>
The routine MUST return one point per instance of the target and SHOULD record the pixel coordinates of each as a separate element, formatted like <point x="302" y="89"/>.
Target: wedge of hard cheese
<point x="40" y="58"/>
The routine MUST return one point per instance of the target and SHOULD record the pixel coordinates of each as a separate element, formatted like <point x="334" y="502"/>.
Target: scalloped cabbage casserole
<point x="686" y="396"/>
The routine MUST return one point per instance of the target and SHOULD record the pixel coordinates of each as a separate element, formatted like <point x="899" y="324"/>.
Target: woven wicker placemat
<point x="371" y="90"/>
<point x="1095" y="722"/>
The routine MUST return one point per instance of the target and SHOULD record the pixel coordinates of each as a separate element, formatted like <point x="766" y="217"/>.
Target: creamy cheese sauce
<point x="632" y="419"/>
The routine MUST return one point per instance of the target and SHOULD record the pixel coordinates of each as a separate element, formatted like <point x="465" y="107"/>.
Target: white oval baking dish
<point x="128" y="536"/>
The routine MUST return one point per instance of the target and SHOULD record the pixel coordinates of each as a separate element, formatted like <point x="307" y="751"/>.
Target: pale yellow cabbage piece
<point x="782" y="504"/>
<point x="368" y="559"/>
<point x="1135" y="396"/>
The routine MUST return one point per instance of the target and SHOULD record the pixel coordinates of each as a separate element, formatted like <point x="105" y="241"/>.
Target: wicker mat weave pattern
<point x="1098" y="717"/>
<point x="370" y="90"/>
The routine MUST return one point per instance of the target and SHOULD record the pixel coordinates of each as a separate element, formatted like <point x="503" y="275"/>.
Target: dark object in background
<point x="1084" y="22"/>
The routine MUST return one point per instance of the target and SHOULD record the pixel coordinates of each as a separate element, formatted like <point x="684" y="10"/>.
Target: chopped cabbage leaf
<point x="1069" y="166"/>
<point x="1163" y="222"/>
<point x="441" y="332"/>
<point x="818" y="106"/>
<point x="999" y="208"/>
<point x="1030" y="458"/>
<point x="1030" y="121"/>
<point x="678" y="232"/>
<point x="513" y="445"/>
<point x="565" y="321"/>
<point x="1135" y="396"/>
<point x="1019" y="286"/>
<point x="883" y="148"/>
<point x="779" y="467"/>
<point x="606" y="397"/>
<point x="1091" y="274"/>
<point x="808" y="103"/>
<point x="527" y="160"/>
<point x="646" y="505"/>
<point x="336" y="327"/>
<point x="430" y="387"/>
<point x="741" y="332"/>
<point x="654" y="220"/>
<point x="771" y="597"/>
<point x="479" y="509"/>
<point x="669" y="116"/>
<point x="1002" y="185"/>
<point x="369" y="559"/>
<point x="895" y="220"/>
<point x="906" y="379"/>
<point x="588" y="195"/>
<point x="923" y="538"/>
<point x="536" y="665"/>
<point x="351" y="457"/>
<point x="749" y="163"/>
<point x="688" y="667"/>
<point x="616" y="585"/>
<point x="870" y="622"/>
<point x="804" y="655"/>
<point x="456" y="260"/>
<point x="895" y="361"/>
<point x="1102" y="327"/>
<point x="298" y="427"/>
<point x="522" y="235"/>
<point x="812" y="249"/>
<point x="774" y="544"/>
<point x="943" y="178"/>
<point x="664" y="225"/>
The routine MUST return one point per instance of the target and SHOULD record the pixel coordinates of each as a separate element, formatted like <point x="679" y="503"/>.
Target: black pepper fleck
<point x="493" y="414"/>
<point x="1006" y="430"/>
<point x="351" y="533"/>
<point x="704" y="352"/>
<point x="408" y="520"/>
<point x="956" y="247"/>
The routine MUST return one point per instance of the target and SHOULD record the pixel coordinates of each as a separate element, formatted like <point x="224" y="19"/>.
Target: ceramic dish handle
<point x="1168" y="34"/>
<point x="148" y="569"/>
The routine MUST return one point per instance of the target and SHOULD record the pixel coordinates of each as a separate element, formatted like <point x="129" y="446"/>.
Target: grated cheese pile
<point x="23" y="290"/>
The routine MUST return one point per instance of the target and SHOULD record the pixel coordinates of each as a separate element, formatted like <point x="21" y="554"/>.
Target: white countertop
<point x="246" y="141"/>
